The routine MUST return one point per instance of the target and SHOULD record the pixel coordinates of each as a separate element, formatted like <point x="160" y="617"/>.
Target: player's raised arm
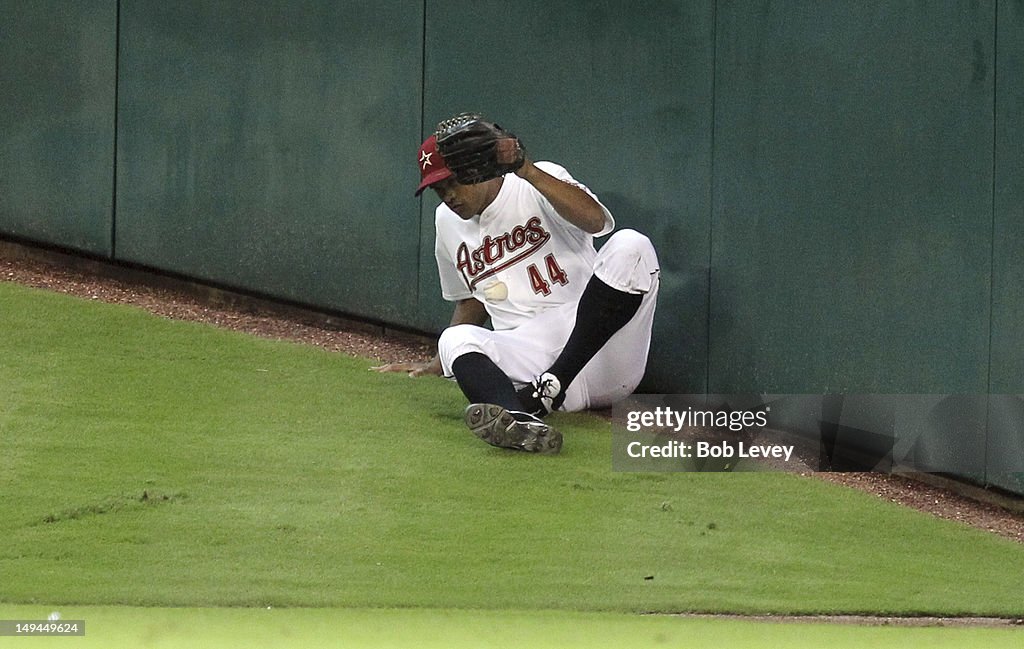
<point x="468" y="311"/>
<point x="476" y="150"/>
<point x="572" y="203"/>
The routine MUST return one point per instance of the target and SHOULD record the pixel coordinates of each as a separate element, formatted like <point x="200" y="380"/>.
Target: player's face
<point x="465" y="200"/>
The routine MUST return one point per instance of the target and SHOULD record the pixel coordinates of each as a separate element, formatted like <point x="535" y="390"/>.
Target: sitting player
<point x="571" y="325"/>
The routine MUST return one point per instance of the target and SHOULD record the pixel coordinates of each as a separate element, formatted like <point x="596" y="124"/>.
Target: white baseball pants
<point x="627" y="262"/>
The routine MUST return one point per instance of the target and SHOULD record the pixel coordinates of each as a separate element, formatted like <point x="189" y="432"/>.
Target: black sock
<point x="602" y="311"/>
<point x="531" y="404"/>
<point x="483" y="382"/>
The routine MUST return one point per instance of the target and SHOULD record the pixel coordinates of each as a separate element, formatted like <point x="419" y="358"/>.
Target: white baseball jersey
<point x="518" y="257"/>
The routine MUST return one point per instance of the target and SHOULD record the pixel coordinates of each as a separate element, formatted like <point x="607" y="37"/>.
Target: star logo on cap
<point x="425" y="159"/>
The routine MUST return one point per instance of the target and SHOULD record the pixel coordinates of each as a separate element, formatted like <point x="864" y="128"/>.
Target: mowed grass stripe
<point x="112" y="628"/>
<point x="161" y="463"/>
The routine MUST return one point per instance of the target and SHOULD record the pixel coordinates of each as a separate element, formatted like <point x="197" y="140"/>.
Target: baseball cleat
<point x="499" y="427"/>
<point x="548" y="389"/>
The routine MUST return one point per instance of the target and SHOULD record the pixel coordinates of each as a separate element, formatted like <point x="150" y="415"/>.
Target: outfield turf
<point x="147" y="462"/>
<point x="462" y="629"/>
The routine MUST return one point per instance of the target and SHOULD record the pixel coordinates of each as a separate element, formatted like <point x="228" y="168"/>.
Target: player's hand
<point x="413" y="369"/>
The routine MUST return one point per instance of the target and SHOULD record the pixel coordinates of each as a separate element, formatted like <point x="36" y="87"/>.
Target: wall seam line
<point x="711" y="193"/>
<point x="992" y="234"/>
<point x="117" y="101"/>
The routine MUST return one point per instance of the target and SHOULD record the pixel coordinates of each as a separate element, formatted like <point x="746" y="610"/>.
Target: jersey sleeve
<point x="453" y="288"/>
<point x="562" y="174"/>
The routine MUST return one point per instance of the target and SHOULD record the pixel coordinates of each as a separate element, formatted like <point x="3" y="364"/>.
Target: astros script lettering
<point x="483" y="262"/>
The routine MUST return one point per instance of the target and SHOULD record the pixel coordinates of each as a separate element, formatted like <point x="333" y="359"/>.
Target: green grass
<point x="145" y="462"/>
<point x="444" y="629"/>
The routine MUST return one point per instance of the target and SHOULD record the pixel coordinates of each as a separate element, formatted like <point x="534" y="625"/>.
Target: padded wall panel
<point x="263" y="146"/>
<point x="57" y="72"/>
<point x="852" y="197"/>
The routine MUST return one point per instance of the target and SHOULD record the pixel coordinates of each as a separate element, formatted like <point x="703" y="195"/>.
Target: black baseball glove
<point x="476" y="150"/>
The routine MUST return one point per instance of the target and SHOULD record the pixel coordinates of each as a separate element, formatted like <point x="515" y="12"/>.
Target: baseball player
<point x="570" y="325"/>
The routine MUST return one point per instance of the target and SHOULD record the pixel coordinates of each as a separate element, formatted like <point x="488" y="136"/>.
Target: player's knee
<point x="458" y="340"/>
<point x="628" y="262"/>
<point x="631" y="242"/>
<point x="451" y="338"/>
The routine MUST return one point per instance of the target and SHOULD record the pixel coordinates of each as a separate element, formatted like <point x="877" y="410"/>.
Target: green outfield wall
<point x="835" y="190"/>
<point x="260" y="146"/>
<point x="58" y="63"/>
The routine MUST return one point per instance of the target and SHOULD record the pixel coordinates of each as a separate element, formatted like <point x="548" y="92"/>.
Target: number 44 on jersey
<point x="555" y="275"/>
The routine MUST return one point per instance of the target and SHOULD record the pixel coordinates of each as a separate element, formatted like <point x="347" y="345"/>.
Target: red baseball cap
<point x="432" y="166"/>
